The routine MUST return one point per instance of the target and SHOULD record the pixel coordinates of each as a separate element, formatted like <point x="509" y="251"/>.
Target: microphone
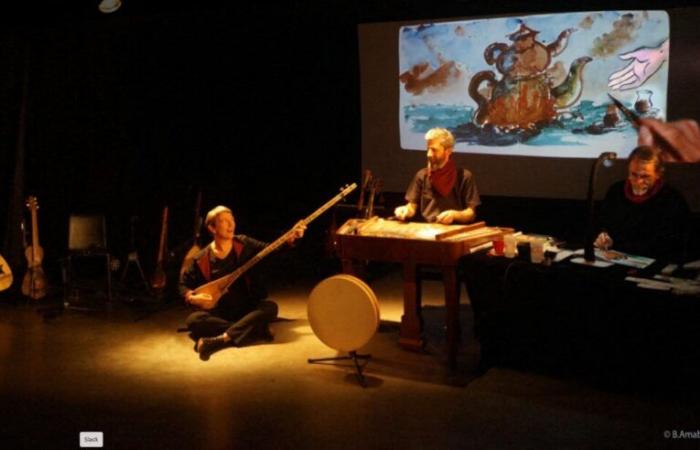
<point x="606" y="159"/>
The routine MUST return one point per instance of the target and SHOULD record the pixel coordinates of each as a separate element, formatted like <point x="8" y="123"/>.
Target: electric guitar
<point x="5" y="274"/>
<point x="189" y="257"/>
<point x="158" y="280"/>
<point x="219" y="287"/>
<point x="34" y="283"/>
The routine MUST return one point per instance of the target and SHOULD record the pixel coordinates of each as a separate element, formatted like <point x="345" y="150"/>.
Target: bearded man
<point x="643" y="215"/>
<point x="440" y="192"/>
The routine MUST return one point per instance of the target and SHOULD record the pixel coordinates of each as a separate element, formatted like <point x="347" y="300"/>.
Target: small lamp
<point x="109" y="6"/>
<point x="606" y="159"/>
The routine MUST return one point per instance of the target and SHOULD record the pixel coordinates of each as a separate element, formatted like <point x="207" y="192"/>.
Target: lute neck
<point x="286" y="236"/>
<point x="35" y="227"/>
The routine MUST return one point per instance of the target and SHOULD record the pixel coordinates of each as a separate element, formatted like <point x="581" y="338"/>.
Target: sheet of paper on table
<point x="665" y="283"/>
<point x="624" y="259"/>
<point x="621" y="258"/>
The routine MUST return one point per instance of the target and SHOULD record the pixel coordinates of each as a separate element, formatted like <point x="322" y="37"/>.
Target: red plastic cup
<point x="498" y="246"/>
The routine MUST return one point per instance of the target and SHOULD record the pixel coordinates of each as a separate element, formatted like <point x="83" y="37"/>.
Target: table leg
<point x="354" y="268"/>
<point x="410" y="334"/>
<point x="449" y="276"/>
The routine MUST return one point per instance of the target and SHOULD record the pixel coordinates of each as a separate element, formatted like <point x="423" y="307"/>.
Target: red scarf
<point x="443" y="180"/>
<point x="203" y="262"/>
<point x="629" y="193"/>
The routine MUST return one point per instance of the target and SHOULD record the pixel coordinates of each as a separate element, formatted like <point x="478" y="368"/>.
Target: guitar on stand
<point x="159" y="278"/>
<point x="133" y="257"/>
<point x="195" y="248"/>
<point x="220" y="286"/>
<point x="366" y="181"/>
<point x="34" y="283"/>
<point x="374" y="191"/>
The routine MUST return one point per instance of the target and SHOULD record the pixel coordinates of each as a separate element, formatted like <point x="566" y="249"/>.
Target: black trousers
<point x="204" y="324"/>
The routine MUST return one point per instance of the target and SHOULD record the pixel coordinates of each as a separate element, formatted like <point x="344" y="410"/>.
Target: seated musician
<point x="441" y="192"/>
<point x="244" y="312"/>
<point x="643" y="215"/>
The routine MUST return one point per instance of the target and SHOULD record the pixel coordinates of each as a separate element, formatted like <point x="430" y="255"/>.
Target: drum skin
<point x="343" y="312"/>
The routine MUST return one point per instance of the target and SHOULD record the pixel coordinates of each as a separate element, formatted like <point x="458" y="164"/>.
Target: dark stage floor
<point x="128" y="374"/>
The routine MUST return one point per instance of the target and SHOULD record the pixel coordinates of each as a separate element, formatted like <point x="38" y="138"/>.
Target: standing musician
<point x="243" y="312"/>
<point x="441" y="192"/>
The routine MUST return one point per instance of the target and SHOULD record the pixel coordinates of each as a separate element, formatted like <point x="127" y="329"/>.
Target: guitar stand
<point x="354" y="356"/>
<point x="133" y="258"/>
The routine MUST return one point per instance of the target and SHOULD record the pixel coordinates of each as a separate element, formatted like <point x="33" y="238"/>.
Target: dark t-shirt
<point x="430" y="203"/>
<point x="244" y="294"/>
<point x="655" y="228"/>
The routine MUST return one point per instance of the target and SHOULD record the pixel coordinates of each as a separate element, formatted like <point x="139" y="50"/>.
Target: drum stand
<point x="344" y="314"/>
<point x="354" y="356"/>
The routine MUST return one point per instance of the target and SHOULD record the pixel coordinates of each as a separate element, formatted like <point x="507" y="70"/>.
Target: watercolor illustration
<point x="534" y="85"/>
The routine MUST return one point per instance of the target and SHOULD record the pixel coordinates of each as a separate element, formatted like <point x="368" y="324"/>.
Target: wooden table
<point x="414" y="245"/>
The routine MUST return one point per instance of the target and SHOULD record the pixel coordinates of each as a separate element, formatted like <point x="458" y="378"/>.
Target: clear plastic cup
<point x="509" y="244"/>
<point x="537" y="250"/>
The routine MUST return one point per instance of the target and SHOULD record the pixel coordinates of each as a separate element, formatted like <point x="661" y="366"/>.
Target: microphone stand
<point x="605" y="159"/>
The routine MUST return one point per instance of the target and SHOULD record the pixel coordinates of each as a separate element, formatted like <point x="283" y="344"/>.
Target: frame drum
<point x="343" y="312"/>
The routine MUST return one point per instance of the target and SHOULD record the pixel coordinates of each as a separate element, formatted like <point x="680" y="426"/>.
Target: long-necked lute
<point x="220" y="286"/>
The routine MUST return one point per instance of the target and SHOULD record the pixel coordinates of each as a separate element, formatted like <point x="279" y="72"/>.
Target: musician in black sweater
<point x="244" y="312"/>
<point x="643" y="215"/>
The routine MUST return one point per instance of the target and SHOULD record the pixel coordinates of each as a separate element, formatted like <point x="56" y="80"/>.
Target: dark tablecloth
<point x="569" y="317"/>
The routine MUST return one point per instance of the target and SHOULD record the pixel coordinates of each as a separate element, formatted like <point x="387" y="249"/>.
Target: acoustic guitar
<point x="220" y="286"/>
<point x="34" y="283"/>
<point x="189" y="257"/>
<point x="5" y="274"/>
<point x="158" y="280"/>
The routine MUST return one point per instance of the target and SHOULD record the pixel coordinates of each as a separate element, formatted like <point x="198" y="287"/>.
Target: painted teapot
<point x="523" y="97"/>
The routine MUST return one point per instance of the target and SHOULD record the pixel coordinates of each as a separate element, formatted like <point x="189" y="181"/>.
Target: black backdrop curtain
<point x="127" y="114"/>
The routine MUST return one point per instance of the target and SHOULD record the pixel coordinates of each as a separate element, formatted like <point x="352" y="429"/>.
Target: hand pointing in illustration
<point x="645" y="62"/>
